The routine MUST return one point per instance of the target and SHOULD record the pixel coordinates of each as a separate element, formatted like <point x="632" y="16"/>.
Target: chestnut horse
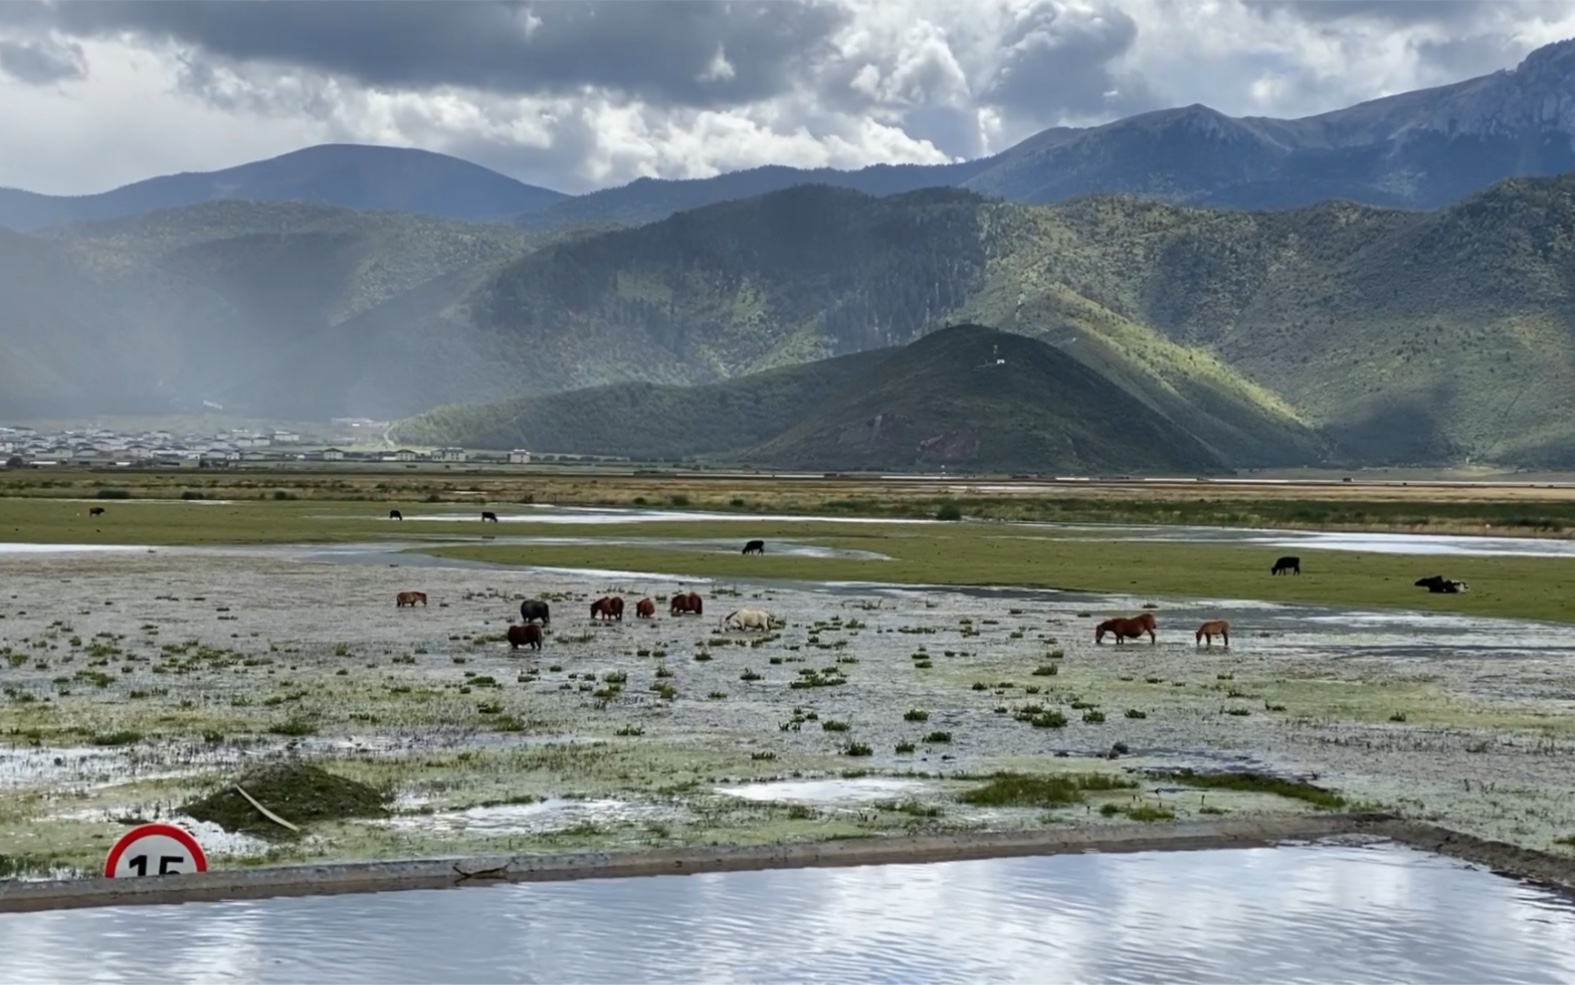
<point x="645" y="608"/>
<point x="1213" y="628"/>
<point x="524" y="634"/>
<point x="1127" y="629"/>
<point x="681" y="603"/>
<point x="409" y="598"/>
<point x="609" y="607"/>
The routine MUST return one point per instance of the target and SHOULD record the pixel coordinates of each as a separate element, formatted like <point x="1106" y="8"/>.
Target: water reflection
<point x="1314" y="913"/>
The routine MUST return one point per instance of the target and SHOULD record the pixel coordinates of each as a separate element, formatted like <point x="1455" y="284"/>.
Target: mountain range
<point x="1419" y="149"/>
<point x="1371" y="335"/>
<point x="1201" y="297"/>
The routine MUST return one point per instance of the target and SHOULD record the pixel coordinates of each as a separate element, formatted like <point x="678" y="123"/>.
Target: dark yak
<point x="1287" y="563"/>
<point x="525" y="634"/>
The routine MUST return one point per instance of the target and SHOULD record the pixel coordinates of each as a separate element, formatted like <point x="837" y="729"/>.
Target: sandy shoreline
<point x="134" y="682"/>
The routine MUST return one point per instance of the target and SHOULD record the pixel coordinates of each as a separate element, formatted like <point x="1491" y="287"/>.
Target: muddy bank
<point x="133" y="684"/>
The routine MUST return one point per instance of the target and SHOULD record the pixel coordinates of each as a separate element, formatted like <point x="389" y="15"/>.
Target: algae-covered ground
<point x="135" y="683"/>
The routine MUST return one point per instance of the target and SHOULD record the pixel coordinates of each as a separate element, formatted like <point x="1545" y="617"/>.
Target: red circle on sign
<point x="141" y="831"/>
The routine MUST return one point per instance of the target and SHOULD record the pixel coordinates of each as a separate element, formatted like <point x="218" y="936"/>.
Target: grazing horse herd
<point x="609" y="608"/>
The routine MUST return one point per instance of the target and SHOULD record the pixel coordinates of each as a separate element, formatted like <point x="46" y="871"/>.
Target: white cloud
<point x="872" y="81"/>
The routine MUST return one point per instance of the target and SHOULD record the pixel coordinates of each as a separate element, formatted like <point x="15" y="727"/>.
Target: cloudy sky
<point x="580" y="94"/>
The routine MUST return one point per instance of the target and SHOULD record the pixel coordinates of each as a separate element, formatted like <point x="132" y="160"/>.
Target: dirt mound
<point x="297" y="792"/>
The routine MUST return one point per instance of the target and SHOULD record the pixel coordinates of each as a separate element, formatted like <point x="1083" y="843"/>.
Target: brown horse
<point x="645" y="608"/>
<point x="681" y="603"/>
<point x="409" y="598"/>
<point x="1127" y="629"/>
<point x="609" y="607"/>
<point x="1213" y="628"/>
<point x="525" y="634"/>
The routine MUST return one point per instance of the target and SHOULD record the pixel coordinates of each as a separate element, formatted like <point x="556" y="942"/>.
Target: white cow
<point x="747" y="619"/>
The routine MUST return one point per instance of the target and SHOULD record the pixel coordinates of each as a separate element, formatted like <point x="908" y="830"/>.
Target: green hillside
<point x="65" y="344"/>
<point x="816" y="271"/>
<point x="1336" y="333"/>
<point x="645" y="420"/>
<point x="978" y="399"/>
<point x="295" y="261"/>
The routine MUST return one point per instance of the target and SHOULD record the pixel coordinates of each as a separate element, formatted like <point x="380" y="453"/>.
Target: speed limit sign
<point x="154" y="850"/>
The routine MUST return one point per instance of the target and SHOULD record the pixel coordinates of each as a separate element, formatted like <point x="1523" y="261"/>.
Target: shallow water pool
<point x="1322" y="913"/>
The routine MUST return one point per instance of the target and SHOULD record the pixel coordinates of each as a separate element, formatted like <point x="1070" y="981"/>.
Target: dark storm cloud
<point x="1405" y="11"/>
<point x="1465" y="58"/>
<point x="664" y="51"/>
<point x="42" y="61"/>
<point x="1058" y="64"/>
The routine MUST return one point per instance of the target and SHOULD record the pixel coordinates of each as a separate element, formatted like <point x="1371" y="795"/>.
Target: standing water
<point x="1309" y="914"/>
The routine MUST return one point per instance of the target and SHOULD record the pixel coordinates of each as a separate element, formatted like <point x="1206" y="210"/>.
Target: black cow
<point x="1439" y="585"/>
<point x="535" y="609"/>
<point x="96" y="511"/>
<point x="489" y="515"/>
<point x="755" y="547"/>
<point x="395" y="515"/>
<point x="1284" y="564"/>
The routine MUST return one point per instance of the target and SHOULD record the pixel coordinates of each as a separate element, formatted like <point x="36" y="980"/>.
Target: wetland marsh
<point x="931" y="677"/>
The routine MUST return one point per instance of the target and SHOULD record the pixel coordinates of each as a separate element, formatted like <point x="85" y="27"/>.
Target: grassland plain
<point x="340" y="509"/>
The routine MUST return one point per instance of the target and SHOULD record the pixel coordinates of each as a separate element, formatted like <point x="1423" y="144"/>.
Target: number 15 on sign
<point x="154" y="850"/>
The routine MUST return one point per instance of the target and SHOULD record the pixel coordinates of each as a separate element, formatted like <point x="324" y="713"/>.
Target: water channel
<point x="1316" y="913"/>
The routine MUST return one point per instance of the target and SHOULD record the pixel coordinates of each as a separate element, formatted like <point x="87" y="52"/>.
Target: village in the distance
<point x="343" y="439"/>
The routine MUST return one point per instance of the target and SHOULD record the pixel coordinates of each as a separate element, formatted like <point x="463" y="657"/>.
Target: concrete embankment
<point x="361" y="877"/>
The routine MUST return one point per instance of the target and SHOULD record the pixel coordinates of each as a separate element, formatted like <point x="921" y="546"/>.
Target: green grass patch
<point x="1259" y="783"/>
<point x="1040" y="790"/>
<point x="300" y="793"/>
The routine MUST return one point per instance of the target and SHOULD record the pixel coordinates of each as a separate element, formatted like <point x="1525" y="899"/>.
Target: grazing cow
<point x="645" y="608"/>
<point x="748" y="619"/>
<point x="755" y="547"/>
<point x="396" y="515"/>
<point x="1439" y="585"/>
<point x="1287" y="563"/>
<point x="488" y="515"/>
<point x="524" y="634"/>
<point x="608" y="607"/>
<point x="533" y="609"/>
<point x="682" y="603"/>
<point x="1125" y="629"/>
<point x="409" y="598"/>
<point x="1213" y="628"/>
<point x="96" y="511"/>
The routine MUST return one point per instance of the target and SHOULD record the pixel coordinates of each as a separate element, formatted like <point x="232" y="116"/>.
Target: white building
<point x="449" y="455"/>
<point x="519" y="456"/>
<point x="333" y="455"/>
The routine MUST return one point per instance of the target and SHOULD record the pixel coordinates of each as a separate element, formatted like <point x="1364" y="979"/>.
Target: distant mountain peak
<point x="356" y="176"/>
